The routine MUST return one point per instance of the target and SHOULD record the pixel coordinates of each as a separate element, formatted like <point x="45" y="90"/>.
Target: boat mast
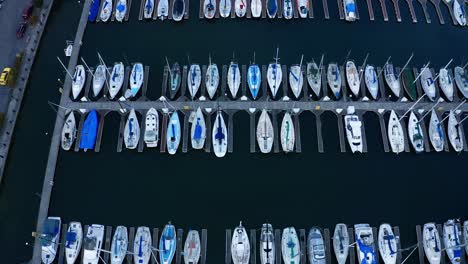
<point x="430" y="110"/>
<point x="321" y="62"/>
<point x="454" y="109"/>
<point x="406" y="64"/>
<point x="361" y="72"/>
<point x="63" y="65"/>
<point x="444" y="69"/>
<point x="419" y="75"/>
<point x="87" y="67"/>
<point x="378" y="75"/>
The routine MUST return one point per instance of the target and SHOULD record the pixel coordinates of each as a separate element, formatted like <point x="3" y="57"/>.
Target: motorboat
<point x="256" y="8"/>
<point x="451" y="237"/>
<point x="290" y="247"/>
<point x="192" y="247"/>
<point x="315" y="247"/>
<point x="198" y="131"/>
<point x="254" y="79"/>
<point x="265" y="132"/>
<point x="136" y="78"/>
<point x="174" y="80"/>
<point x="353" y="132"/>
<point x="303" y="8"/>
<point x="352" y="77"/>
<point x="271" y="8"/>
<point x="288" y="9"/>
<point x="194" y="79"/>
<point x="461" y="79"/>
<point x="274" y="77"/>
<point x="267" y="245"/>
<point x="212" y="79"/>
<point x="69" y="132"/>
<point x="296" y="80"/>
<point x="395" y="134"/>
<point x="334" y="80"/>
<point x="167" y="244"/>
<point x="428" y="84"/>
<point x="116" y="79"/>
<point x="341" y="243"/>
<point x="350" y="10"/>
<point x="121" y="10"/>
<point x="149" y="9"/>
<point x="163" y="9"/>
<point x="106" y="10"/>
<point x="94" y="10"/>
<point x="436" y="132"/>
<point x="173" y="134"/>
<point x="372" y="84"/>
<point x="142" y="245"/>
<point x="89" y="131"/>
<point x="132" y="131"/>
<point x="49" y="239"/>
<point x="209" y="8"/>
<point x="392" y="80"/>
<point x="314" y="77"/>
<point x="151" y="136"/>
<point x="225" y="8"/>
<point x="459" y="12"/>
<point x="415" y="133"/>
<point x="233" y="78"/>
<point x="287" y="133"/>
<point x="365" y="248"/>
<point x="219" y="136"/>
<point x="446" y="83"/>
<point x="99" y="78"/>
<point x="431" y="243"/>
<point x="240" y="7"/>
<point x="387" y="244"/>
<point x="240" y="246"/>
<point x="92" y="244"/>
<point x="119" y="245"/>
<point x="73" y="240"/>
<point x="79" y="79"/>
<point x="178" y="10"/>
<point x="409" y="84"/>
<point x="454" y="131"/>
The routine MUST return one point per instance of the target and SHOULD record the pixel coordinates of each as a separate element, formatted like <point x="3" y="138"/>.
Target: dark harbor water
<point x="196" y="190"/>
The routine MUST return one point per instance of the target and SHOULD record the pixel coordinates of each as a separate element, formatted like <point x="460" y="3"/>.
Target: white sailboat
<point x="395" y="134"/>
<point x="120" y="10"/>
<point x="240" y="246"/>
<point x="341" y="243"/>
<point x="119" y="245"/>
<point x="142" y="245"/>
<point x="219" y="136"/>
<point x="69" y="132"/>
<point x="234" y="78"/>
<point x="240" y="7"/>
<point x="352" y="77"/>
<point x="350" y="10"/>
<point x="267" y="245"/>
<point x="265" y="132"/>
<point x="173" y="134"/>
<point x="290" y="247"/>
<point x="92" y="244"/>
<point x="274" y="75"/>
<point x="303" y="8"/>
<point x="370" y="77"/>
<point x="461" y="79"/>
<point x="151" y="136"/>
<point x="316" y="246"/>
<point x="353" y="128"/>
<point x="392" y="79"/>
<point x="334" y="79"/>
<point x="288" y="9"/>
<point x="79" y="79"/>
<point x="427" y="83"/>
<point x="387" y="244"/>
<point x="198" y="131"/>
<point x="459" y="12"/>
<point x="149" y="9"/>
<point x="212" y="79"/>
<point x="455" y="134"/>
<point x="314" y="77"/>
<point x="99" y="78"/>
<point x="225" y="8"/>
<point x="209" y="8"/>
<point x="116" y="79"/>
<point x="452" y="243"/>
<point x="436" y="132"/>
<point x="446" y="83"/>
<point x="415" y="134"/>
<point x="136" y="78"/>
<point x="192" y="247"/>
<point x="194" y="79"/>
<point x="365" y="247"/>
<point x="256" y="8"/>
<point x="163" y="9"/>
<point x="73" y="240"/>
<point x="431" y="243"/>
<point x="287" y="133"/>
<point x="132" y="131"/>
<point x="296" y="79"/>
<point x="106" y="10"/>
<point x="50" y="238"/>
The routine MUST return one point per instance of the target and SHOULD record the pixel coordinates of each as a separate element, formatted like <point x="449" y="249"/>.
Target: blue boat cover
<point x="89" y="131"/>
<point x="70" y="237"/>
<point x="272" y="7"/>
<point x="351" y="7"/>
<point x="198" y="130"/>
<point x="94" y="10"/>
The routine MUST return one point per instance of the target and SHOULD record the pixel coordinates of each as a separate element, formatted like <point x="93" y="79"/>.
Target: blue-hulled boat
<point x="365" y="244"/>
<point x="254" y="79"/>
<point x="272" y="8"/>
<point x="94" y="10"/>
<point x="89" y="131"/>
<point x="173" y="134"/>
<point x="167" y="244"/>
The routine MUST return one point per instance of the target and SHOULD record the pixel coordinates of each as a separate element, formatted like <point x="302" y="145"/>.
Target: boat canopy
<point x="70" y="237"/>
<point x="90" y="243"/>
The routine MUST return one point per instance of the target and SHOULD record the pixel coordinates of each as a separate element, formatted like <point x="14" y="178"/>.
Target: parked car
<point x="21" y="29"/>
<point x="27" y="12"/>
<point x="5" y="75"/>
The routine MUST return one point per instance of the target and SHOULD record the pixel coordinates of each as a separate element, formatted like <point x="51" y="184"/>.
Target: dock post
<point x="374" y="246"/>
<point x="107" y="244"/>
<point x="144" y="88"/>
<point x="204" y="240"/>
<point x="230" y="132"/>
<point x="362" y="85"/>
<point x="325" y="9"/>
<point x="131" y="237"/>
<point x="383" y="130"/>
<point x="183" y="85"/>
<point x="396" y="231"/>
<point x="244" y="79"/>
<point x="397" y="10"/>
<point x="305" y="85"/>
<point x="264" y="83"/>
<point x="384" y="10"/>
<point x="297" y="130"/>
<point x="127" y="14"/>
<point x="352" y="252"/>
<point x="427" y="146"/>
<point x="278" y="246"/>
<point x="121" y="133"/>
<point x="142" y="9"/>
<point x="311" y="10"/>
<point x="443" y="252"/>
<point x="208" y="132"/>
<point x="344" y="86"/>
<point x="436" y="4"/>
<point x="339" y="117"/>
<point x="179" y="246"/>
<point x="80" y="128"/>
<point x="185" y="131"/>
<point x="164" y="82"/>
<point x="86" y="93"/>
<point x="155" y="245"/>
<point x="101" y="117"/>
<point x="274" y="121"/>
<point x="340" y="8"/>
<point x="424" y="7"/>
<point x="155" y="10"/>
<point x="62" y="243"/>
<point x="223" y="83"/>
<point x="203" y="91"/>
<point x="187" y="9"/>
<point x="420" y="244"/>
<point x="449" y="7"/>
<point x="227" y="257"/>
<point x="318" y="124"/>
<point x="411" y="8"/>
<point x="383" y="93"/>
<point x="253" y="247"/>
<point x="419" y="89"/>
<point x="252" y="132"/>
<point x="141" y="143"/>
<point x="302" y="242"/>
<point x="326" y="234"/>
<point x="164" y="132"/>
<point x="125" y="83"/>
<point x="285" y="83"/>
<point x="201" y="14"/>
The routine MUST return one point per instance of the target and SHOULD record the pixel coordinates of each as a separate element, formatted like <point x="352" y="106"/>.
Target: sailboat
<point x="142" y="245"/>
<point x="209" y="8"/>
<point x="341" y="243"/>
<point x="131" y="131"/>
<point x="271" y="8"/>
<point x="99" y="78"/>
<point x="454" y="131"/>
<point x="89" y="131"/>
<point x="194" y="79"/>
<point x="225" y="8"/>
<point x="461" y="79"/>
<point x="265" y="132"/>
<point x="459" y="12"/>
<point x="73" y="240"/>
<point x="256" y="8"/>
<point x="173" y="134"/>
<point x="353" y="132"/>
<point x="212" y="79"/>
<point x="119" y="245"/>
<point x="296" y="79"/>
<point x="233" y="78"/>
<point x="314" y="77"/>
<point x="267" y="245"/>
<point x="436" y="132"/>
<point x="452" y="243"/>
<point x="79" y="79"/>
<point x="290" y="247"/>
<point x="427" y="83"/>
<point x="334" y="80"/>
<point x="409" y="84"/>
<point x="431" y="243"/>
<point x="121" y="10"/>
<point x="178" y="10"/>
<point x="149" y="8"/>
<point x="151" y="128"/>
<point x="93" y="10"/>
<point x="254" y="79"/>
<point x="240" y="7"/>
<point x="163" y="9"/>
<point x="288" y="8"/>
<point x="446" y="83"/>
<point x="198" y="132"/>
<point x="387" y="244"/>
<point x="287" y="133"/>
<point x="92" y="244"/>
<point x="392" y="79"/>
<point x="116" y="79"/>
<point x="240" y="246"/>
<point x="174" y="80"/>
<point x="136" y="78"/>
<point x="49" y="239"/>
<point x="219" y="136"/>
<point x="364" y="244"/>
<point x="370" y="78"/>
<point x="350" y="10"/>
<point x="274" y="75"/>
<point x="192" y="247"/>
<point x="167" y="244"/>
<point x="303" y="8"/>
<point x="106" y="11"/>
<point x="415" y="133"/>
<point x="69" y="132"/>
<point x="395" y="134"/>
<point x="352" y="77"/>
<point x="316" y="246"/>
